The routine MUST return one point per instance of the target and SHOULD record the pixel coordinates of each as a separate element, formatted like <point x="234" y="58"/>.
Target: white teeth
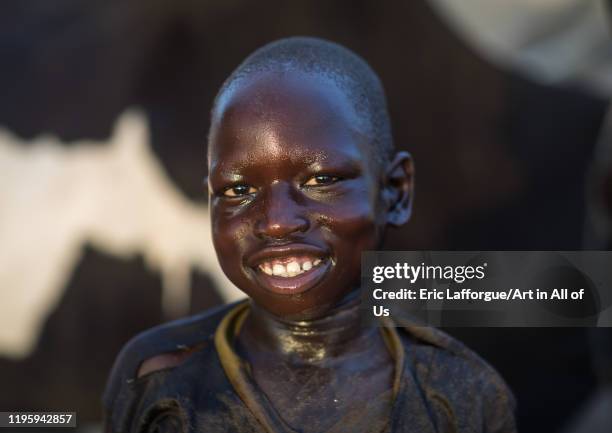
<point x="265" y="268"/>
<point x="278" y="269"/>
<point x="293" y="268"/>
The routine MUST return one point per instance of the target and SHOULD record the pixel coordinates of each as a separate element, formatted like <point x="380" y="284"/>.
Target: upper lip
<point x="282" y="251"/>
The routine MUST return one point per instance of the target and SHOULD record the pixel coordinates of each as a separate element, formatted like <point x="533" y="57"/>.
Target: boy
<point x="302" y="179"/>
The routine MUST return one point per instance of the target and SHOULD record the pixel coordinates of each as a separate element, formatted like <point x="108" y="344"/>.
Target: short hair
<point x="347" y="70"/>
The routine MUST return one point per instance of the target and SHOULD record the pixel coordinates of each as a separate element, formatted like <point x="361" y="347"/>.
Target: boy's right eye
<point x="239" y="191"/>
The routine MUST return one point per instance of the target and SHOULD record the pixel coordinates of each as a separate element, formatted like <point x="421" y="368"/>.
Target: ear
<point x="399" y="189"/>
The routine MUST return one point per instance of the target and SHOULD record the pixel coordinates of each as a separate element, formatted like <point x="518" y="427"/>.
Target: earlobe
<point x="400" y="189"/>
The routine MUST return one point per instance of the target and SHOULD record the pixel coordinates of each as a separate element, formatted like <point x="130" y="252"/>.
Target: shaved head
<point x="345" y="69"/>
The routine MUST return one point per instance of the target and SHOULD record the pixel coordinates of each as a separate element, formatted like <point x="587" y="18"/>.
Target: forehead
<point x="297" y="115"/>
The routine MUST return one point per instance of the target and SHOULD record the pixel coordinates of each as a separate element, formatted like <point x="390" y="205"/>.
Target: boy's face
<point x="295" y="197"/>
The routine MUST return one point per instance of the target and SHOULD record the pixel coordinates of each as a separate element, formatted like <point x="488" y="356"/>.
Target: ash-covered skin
<point x="291" y="176"/>
<point x="295" y="198"/>
<point x="301" y="181"/>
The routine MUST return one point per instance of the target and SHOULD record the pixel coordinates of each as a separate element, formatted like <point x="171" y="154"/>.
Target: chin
<point x="311" y="313"/>
<point x="305" y="307"/>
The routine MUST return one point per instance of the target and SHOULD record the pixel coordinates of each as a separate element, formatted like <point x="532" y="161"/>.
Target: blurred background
<point x="104" y="229"/>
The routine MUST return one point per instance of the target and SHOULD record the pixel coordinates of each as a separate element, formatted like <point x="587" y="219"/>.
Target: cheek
<point x="228" y="232"/>
<point x="356" y="218"/>
<point x="353" y="226"/>
<point x="229" y="235"/>
<point x="350" y="230"/>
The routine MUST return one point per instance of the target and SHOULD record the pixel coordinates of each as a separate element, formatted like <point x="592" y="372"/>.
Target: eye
<point x="321" y="179"/>
<point x="239" y="191"/>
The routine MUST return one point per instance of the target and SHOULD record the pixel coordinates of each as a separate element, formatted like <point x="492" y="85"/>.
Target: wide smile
<point x="290" y="269"/>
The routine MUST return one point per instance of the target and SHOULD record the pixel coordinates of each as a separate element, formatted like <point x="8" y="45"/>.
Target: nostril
<point x="282" y="229"/>
<point x="280" y="215"/>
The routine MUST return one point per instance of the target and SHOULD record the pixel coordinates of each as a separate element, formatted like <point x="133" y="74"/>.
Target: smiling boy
<point x="302" y="179"/>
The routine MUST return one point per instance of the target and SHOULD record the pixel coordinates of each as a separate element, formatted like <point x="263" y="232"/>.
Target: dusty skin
<point x="296" y="194"/>
<point x="291" y="181"/>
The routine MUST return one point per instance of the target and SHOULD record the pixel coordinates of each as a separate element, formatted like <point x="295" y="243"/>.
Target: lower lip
<point x="293" y="285"/>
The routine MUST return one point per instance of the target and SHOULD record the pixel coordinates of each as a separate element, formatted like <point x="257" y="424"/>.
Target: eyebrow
<point x="346" y="163"/>
<point x="225" y="176"/>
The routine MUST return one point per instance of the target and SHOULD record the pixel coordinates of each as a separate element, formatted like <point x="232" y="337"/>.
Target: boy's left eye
<point x="321" y="179"/>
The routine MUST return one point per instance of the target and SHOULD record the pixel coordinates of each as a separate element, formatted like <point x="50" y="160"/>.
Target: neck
<point x="328" y="338"/>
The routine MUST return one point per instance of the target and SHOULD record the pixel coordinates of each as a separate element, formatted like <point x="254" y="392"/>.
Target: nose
<point x="281" y="215"/>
